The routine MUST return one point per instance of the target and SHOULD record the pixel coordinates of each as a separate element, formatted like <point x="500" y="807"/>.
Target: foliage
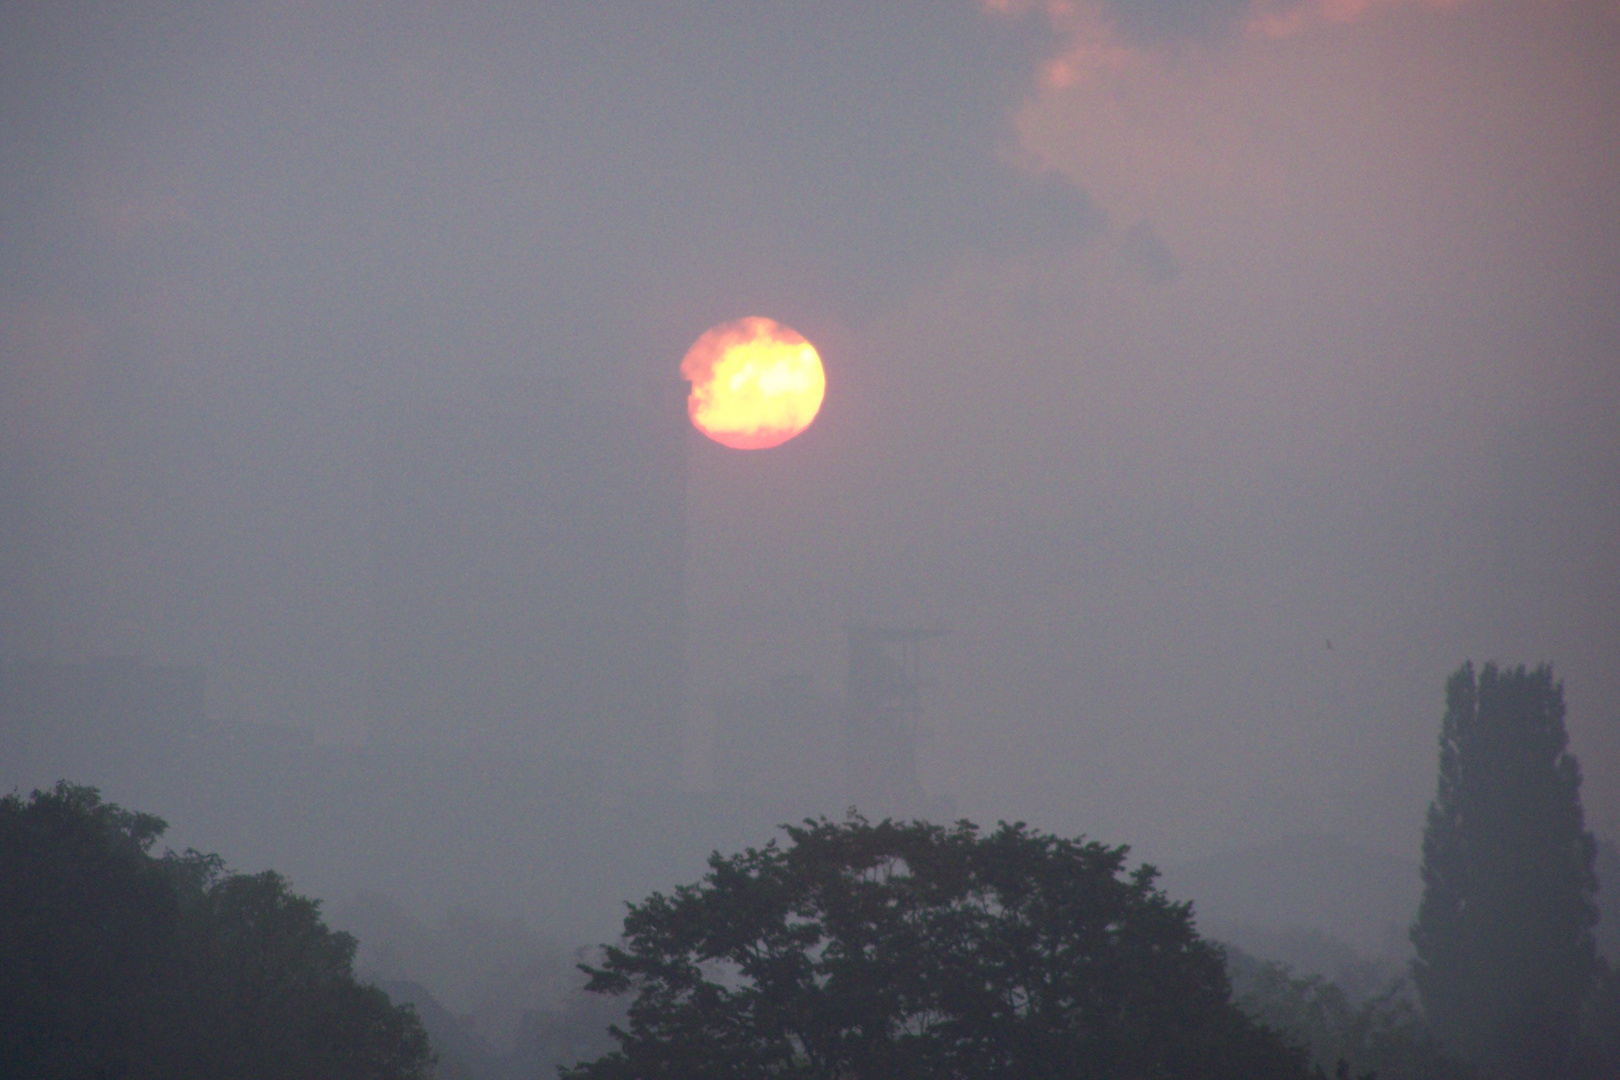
<point x="118" y="963"/>
<point x="1384" y="1034"/>
<point x="1597" y="1046"/>
<point x="1505" y="954"/>
<point x="914" y="950"/>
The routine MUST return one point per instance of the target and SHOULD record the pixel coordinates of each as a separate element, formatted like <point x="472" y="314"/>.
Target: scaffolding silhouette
<point x="882" y="711"/>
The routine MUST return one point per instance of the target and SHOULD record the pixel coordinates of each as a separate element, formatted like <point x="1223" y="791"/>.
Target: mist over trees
<point x="115" y="962"/>
<point x="921" y="950"/>
<point x="1203" y="383"/>
<point x="1384" y="1033"/>
<point x="895" y="949"/>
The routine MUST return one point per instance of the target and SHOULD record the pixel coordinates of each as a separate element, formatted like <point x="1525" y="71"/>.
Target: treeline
<point x="851" y="950"/>
<point x="118" y="963"/>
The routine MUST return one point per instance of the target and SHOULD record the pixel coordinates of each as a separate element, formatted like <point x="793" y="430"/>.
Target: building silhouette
<point x="882" y="710"/>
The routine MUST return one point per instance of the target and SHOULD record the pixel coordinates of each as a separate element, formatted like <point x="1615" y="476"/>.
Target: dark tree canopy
<point x="115" y="963"/>
<point x="1505" y="954"/>
<point x="901" y="951"/>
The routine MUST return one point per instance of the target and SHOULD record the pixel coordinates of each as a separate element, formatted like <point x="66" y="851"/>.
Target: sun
<point x="755" y="383"/>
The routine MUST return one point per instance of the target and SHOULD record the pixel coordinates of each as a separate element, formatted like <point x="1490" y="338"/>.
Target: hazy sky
<point x="1166" y="343"/>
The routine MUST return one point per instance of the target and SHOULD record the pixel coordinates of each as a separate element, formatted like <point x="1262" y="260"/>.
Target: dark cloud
<point x="592" y="149"/>
<point x="272" y="229"/>
<point x="1180" y="21"/>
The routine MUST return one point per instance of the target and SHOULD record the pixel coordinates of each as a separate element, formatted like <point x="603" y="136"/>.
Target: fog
<point x="1214" y="378"/>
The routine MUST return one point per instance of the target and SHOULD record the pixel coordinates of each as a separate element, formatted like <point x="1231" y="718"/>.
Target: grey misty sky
<point x="1166" y="342"/>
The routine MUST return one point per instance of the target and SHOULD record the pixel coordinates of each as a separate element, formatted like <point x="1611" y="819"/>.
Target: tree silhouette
<point x="1505" y="955"/>
<point x="902" y="951"/>
<point x="117" y="963"/>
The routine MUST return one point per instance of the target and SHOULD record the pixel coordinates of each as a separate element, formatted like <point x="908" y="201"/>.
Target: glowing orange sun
<point x="755" y="383"/>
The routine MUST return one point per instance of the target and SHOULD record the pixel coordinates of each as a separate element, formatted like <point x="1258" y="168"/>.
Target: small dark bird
<point x="1330" y="643"/>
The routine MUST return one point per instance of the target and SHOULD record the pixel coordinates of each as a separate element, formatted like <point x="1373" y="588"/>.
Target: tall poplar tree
<point x="1505" y="954"/>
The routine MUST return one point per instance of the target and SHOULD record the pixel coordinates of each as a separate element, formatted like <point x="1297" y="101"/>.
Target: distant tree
<point x="118" y="963"/>
<point x="1505" y="956"/>
<point x="900" y="951"/>
<point x="1383" y="1035"/>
